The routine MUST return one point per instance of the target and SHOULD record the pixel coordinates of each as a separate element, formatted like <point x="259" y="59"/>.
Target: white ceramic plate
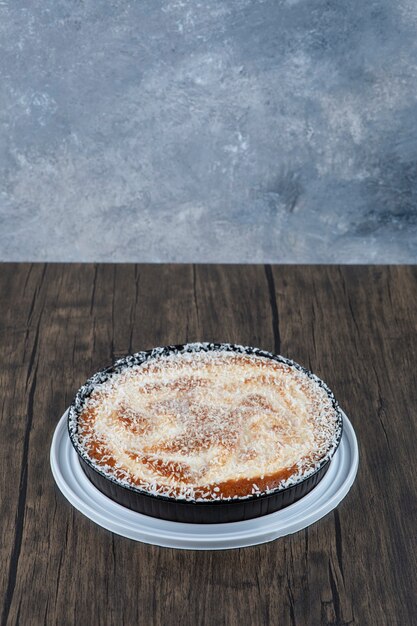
<point x="82" y="494"/>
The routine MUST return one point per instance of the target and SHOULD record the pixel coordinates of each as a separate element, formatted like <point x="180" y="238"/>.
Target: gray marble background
<point x="229" y="130"/>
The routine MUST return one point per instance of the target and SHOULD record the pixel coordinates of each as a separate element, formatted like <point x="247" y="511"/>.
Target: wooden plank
<point x="354" y="326"/>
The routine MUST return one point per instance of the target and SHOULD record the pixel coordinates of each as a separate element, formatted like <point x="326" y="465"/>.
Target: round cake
<point x="206" y="425"/>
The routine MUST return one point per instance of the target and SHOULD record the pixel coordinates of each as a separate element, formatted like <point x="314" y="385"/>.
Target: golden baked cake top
<point x="208" y="425"/>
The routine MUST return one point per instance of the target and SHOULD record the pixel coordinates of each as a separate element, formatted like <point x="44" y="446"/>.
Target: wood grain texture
<point x="354" y="326"/>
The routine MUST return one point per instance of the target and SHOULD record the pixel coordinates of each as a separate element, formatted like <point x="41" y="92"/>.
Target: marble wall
<point x="215" y="130"/>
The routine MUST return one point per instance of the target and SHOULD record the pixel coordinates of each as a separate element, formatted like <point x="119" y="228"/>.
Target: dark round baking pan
<point x="189" y="511"/>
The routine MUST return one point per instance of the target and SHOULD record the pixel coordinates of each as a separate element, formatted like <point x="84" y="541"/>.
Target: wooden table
<point x="354" y="326"/>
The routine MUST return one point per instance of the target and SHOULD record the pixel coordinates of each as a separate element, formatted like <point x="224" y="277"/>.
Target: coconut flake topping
<point x="207" y="425"/>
